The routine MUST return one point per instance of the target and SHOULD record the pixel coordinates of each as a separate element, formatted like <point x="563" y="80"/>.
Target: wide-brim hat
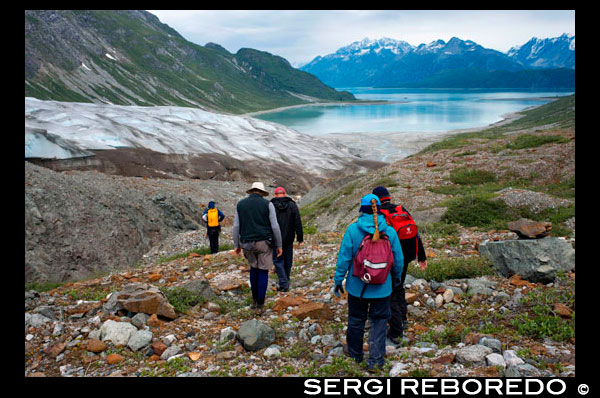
<point x="258" y="186"/>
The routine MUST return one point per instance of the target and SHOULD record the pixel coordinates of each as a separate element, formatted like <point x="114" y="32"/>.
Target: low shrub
<point x="468" y="176"/>
<point x="442" y="269"/>
<point x="531" y="141"/>
<point x="182" y="300"/>
<point x="539" y="321"/>
<point x="477" y="211"/>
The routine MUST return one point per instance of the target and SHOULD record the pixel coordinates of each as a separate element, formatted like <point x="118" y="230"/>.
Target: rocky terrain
<point x="460" y="327"/>
<point x="180" y="313"/>
<point x="495" y="212"/>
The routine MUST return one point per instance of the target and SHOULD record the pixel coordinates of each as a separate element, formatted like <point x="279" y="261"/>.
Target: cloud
<point x="301" y="35"/>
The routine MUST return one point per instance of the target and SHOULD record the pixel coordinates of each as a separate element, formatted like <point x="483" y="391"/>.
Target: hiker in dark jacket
<point x="366" y="300"/>
<point x="398" y="322"/>
<point x="255" y="230"/>
<point x="213" y="231"/>
<point x="290" y="224"/>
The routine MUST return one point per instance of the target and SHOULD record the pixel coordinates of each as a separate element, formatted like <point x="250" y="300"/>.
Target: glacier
<point x="63" y="130"/>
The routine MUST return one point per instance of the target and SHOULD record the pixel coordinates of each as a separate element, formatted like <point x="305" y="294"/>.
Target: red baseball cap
<point x="279" y="190"/>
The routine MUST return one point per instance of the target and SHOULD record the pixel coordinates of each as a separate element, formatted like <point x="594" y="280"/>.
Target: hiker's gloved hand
<point x="338" y="289"/>
<point x="396" y="282"/>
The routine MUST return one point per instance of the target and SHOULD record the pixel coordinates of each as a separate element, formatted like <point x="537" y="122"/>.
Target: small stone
<point x="114" y="358"/>
<point x="159" y="347"/>
<point x="95" y="345"/>
<point x="154" y="321"/>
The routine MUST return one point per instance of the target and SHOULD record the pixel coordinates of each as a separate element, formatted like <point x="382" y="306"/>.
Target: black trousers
<point x="213" y="237"/>
<point x="398" y="305"/>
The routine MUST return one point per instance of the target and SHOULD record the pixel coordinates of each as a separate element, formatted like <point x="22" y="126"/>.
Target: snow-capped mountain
<point x="389" y="62"/>
<point x="557" y="52"/>
<point x="65" y="130"/>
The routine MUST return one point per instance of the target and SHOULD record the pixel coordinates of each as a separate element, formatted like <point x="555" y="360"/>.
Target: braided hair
<point x="374" y="207"/>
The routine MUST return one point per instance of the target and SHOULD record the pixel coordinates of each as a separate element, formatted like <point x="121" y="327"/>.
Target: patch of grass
<point x="477" y="211"/>
<point x="88" y="294"/>
<point x="309" y="229"/>
<point x="182" y="300"/>
<point x="539" y="321"/>
<point x="442" y="269"/>
<point x="469" y="176"/>
<point x="340" y="366"/>
<point x="531" y="141"/>
<point x="467" y="153"/>
<point x="201" y="250"/>
<point x="300" y="350"/>
<point x="42" y="286"/>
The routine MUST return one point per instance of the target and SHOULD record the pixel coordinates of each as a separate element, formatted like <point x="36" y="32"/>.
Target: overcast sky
<point x="301" y="35"/>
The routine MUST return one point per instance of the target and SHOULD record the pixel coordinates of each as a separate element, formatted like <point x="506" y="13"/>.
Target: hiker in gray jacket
<point x="256" y="231"/>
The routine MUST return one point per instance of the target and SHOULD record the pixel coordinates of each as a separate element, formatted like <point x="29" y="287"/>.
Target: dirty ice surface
<point x="66" y="129"/>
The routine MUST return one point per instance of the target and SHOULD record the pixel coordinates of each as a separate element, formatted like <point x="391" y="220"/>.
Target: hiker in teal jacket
<point x="375" y="301"/>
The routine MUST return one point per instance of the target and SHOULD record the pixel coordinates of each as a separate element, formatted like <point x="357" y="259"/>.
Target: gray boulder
<point x="170" y="352"/>
<point x="139" y="339"/>
<point x="535" y="260"/>
<point x="117" y="332"/>
<point x="200" y="287"/>
<point x="35" y="320"/>
<point x="480" y="286"/>
<point x="473" y="354"/>
<point x="140" y="320"/>
<point x="255" y="335"/>
<point x="494" y="344"/>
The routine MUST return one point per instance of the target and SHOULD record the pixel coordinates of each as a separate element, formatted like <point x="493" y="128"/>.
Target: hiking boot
<point x="347" y="353"/>
<point x="373" y="369"/>
<point x="253" y="305"/>
<point x="282" y="289"/>
<point x="345" y="349"/>
<point x="394" y="340"/>
<point x="259" y="308"/>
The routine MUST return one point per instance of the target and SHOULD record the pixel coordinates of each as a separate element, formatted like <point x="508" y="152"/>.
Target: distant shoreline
<point x="341" y="103"/>
<point x="374" y="102"/>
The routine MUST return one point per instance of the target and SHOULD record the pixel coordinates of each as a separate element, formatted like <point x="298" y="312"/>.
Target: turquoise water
<point x="418" y="110"/>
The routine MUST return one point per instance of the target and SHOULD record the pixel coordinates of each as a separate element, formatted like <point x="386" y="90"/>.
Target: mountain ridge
<point x="395" y="63"/>
<point x="131" y="58"/>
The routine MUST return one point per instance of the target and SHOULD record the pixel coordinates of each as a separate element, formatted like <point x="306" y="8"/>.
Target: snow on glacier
<point x="176" y="130"/>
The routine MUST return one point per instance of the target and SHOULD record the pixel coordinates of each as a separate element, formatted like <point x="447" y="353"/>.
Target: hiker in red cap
<point x="412" y="247"/>
<point x="290" y="224"/>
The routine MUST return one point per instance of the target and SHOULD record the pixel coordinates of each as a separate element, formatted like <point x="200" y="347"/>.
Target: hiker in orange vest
<point x="412" y="248"/>
<point x="213" y="217"/>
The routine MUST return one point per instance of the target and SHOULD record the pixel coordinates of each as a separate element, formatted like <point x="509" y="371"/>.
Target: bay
<point x="410" y="110"/>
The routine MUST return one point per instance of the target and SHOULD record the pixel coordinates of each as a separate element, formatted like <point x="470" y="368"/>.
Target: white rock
<point x="117" y="332"/>
<point x="495" y="359"/>
<point x="448" y="295"/>
<point x="398" y="369"/>
<point x="439" y="300"/>
<point x="272" y="352"/>
<point x="511" y="358"/>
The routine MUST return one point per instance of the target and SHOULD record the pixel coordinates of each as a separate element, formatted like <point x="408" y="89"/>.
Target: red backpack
<point x="402" y="222"/>
<point x="373" y="260"/>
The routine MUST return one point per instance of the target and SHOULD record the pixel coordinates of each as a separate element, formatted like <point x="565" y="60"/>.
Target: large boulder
<point x="140" y="297"/>
<point x="255" y="335"/>
<point x="535" y="260"/>
<point x="117" y="332"/>
<point x="528" y="229"/>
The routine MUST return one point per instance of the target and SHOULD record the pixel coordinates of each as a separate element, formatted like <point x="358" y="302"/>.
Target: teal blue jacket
<point x="350" y="243"/>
